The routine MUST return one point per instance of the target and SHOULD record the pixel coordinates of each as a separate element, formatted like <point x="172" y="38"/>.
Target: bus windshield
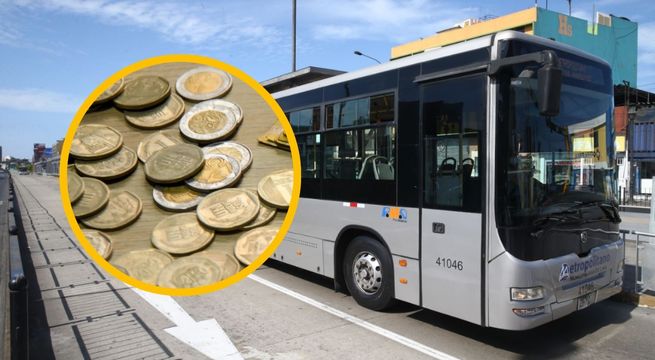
<point x="555" y="175"/>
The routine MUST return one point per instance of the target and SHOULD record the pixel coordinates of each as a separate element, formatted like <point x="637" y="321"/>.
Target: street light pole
<point x="359" y="53"/>
<point x="293" y="35"/>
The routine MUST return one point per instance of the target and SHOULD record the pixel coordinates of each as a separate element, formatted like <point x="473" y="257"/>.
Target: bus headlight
<point x="527" y="294"/>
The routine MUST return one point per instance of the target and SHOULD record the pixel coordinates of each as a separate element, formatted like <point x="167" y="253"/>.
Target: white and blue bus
<point x="476" y="180"/>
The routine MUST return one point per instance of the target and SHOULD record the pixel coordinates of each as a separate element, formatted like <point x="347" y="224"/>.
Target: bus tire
<point x="368" y="273"/>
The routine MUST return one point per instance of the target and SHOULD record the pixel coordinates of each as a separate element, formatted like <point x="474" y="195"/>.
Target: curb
<point x="641" y="300"/>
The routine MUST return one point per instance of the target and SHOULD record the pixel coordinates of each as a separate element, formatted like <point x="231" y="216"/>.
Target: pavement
<point x="279" y="313"/>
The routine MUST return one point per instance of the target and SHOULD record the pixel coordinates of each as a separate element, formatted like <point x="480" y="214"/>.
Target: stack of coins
<point x="276" y="137"/>
<point x="186" y="157"/>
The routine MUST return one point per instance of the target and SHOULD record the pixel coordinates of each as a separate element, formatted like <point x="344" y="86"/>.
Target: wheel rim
<point x="367" y="272"/>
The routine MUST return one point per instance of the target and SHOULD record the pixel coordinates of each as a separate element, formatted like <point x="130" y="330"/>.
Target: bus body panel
<point x="601" y="279"/>
<point x="302" y="251"/>
<point x="407" y="279"/>
<point x="450" y="263"/>
<point x="326" y="219"/>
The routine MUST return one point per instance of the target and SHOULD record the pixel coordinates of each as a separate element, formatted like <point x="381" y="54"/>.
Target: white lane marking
<point x="206" y="336"/>
<point x="434" y="353"/>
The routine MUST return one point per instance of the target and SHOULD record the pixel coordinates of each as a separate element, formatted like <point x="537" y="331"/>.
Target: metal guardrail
<point x="639" y="282"/>
<point x="640" y="200"/>
<point x="18" y="289"/>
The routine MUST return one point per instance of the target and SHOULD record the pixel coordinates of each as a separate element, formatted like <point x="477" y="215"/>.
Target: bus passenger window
<point x="360" y="154"/>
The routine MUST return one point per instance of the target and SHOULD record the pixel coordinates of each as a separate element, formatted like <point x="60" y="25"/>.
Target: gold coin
<point x="264" y="216"/>
<point x="189" y="272"/>
<point x="218" y="172"/>
<point x="181" y="234"/>
<point x="122" y="209"/>
<point x="94" y="199"/>
<point x="113" y="167"/>
<point x="100" y="241"/>
<point x="95" y="141"/>
<point x="276" y="187"/>
<point x="144" y="265"/>
<point x="161" y="115"/>
<point x="253" y="243"/>
<point x="228" y="209"/>
<point x="227" y="262"/>
<point x="174" y="164"/>
<point x="114" y="90"/>
<point x="143" y="92"/>
<point x="233" y="149"/>
<point x="203" y="83"/>
<point x="75" y="185"/>
<point x="176" y="198"/>
<point x="209" y="121"/>
<point x="157" y="141"/>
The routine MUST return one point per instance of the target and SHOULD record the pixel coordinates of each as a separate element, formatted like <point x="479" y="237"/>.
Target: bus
<point x="476" y="180"/>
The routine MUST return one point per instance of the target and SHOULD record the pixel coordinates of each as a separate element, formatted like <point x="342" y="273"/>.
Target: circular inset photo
<point x="180" y="175"/>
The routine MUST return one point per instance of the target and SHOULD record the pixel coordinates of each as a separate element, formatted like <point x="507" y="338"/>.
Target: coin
<point x="113" y="91"/>
<point x="95" y="141"/>
<point x="189" y="272"/>
<point x="122" y="209"/>
<point x="121" y="269"/>
<point x="218" y="172"/>
<point x="253" y="243"/>
<point x="161" y="115"/>
<point x="75" y="185"/>
<point x="94" y="199"/>
<point x="181" y="234"/>
<point x="265" y="214"/>
<point x="144" y="265"/>
<point x="115" y="166"/>
<point x="228" y="263"/>
<point x="208" y="121"/>
<point x="143" y="92"/>
<point x="157" y="141"/>
<point x="174" y="164"/>
<point x="203" y="83"/>
<point x="233" y="149"/>
<point x="276" y="187"/>
<point x="100" y="241"/>
<point x="228" y="209"/>
<point x="176" y="198"/>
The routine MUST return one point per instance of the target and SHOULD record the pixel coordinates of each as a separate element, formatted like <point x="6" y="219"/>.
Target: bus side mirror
<point x="549" y="89"/>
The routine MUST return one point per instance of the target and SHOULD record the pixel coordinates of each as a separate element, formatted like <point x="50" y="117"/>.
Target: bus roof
<point x="428" y="55"/>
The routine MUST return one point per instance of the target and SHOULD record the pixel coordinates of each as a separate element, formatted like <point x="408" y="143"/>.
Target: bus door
<point x="453" y="121"/>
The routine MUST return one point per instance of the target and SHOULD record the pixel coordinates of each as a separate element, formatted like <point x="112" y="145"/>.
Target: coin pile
<point x="276" y="137"/>
<point x="193" y="171"/>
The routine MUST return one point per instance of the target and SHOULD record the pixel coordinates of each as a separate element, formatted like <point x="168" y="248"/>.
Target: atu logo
<point x="564" y="272"/>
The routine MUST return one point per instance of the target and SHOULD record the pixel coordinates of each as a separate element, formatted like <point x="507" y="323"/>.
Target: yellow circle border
<point x="164" y="59"/>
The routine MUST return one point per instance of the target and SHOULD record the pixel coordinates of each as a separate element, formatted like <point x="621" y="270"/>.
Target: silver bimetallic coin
<point x="219" y="171"/>
<point x="208" y="121"/>
<point x="233" y="149"/>
<point x="203" y="83"/>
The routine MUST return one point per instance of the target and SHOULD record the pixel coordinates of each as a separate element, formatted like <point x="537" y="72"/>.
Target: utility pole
<point x="293" y="36"/>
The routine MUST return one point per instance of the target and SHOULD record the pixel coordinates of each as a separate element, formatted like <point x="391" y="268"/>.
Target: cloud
<point x="393" y="20"/>
<point x="39" y="100"/>
<point x="189" y="23"/>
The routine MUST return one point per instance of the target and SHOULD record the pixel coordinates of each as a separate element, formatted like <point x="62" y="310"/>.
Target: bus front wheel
<point x="368" y="273"/>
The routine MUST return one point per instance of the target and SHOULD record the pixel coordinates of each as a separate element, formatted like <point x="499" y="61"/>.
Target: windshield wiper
<point x="567" y="216"/>
<point x="610" y="209"/>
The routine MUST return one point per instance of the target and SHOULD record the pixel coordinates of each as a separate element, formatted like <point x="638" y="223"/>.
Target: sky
<point x="53" y="53"/>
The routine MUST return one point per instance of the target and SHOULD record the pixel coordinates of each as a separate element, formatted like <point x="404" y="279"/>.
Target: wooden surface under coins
<point x="258" y="118"/>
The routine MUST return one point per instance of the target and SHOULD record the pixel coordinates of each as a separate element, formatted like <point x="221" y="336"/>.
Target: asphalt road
<point x="288" y="314"/>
